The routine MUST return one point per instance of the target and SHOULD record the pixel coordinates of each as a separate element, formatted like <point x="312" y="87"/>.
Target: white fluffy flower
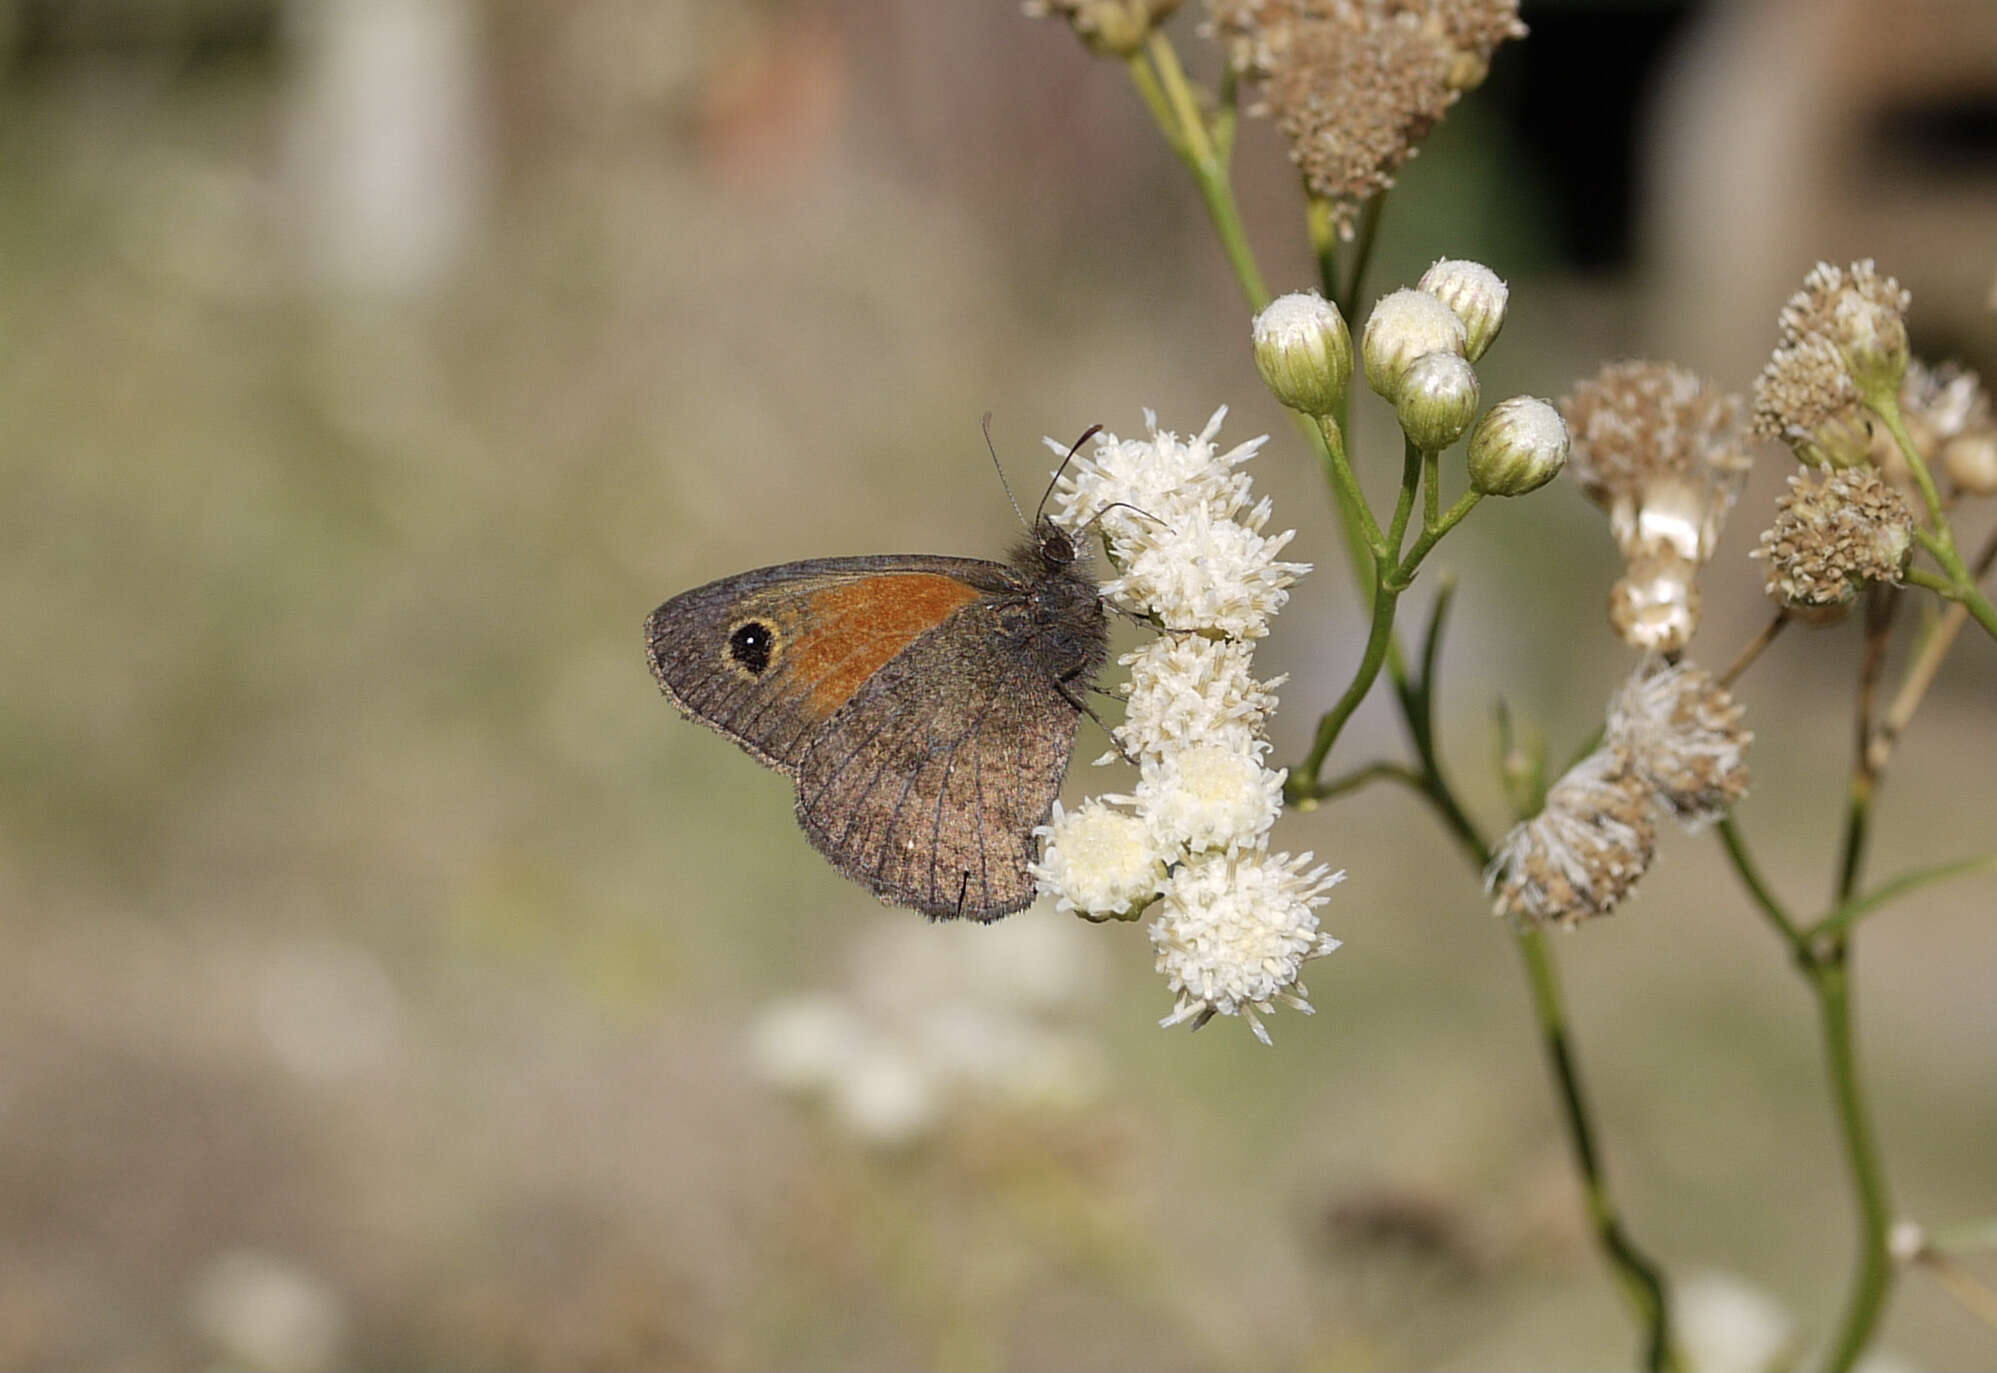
<point x="1234" y="932"/>
<point x="1152" y="480"/>
<point x="1207" y="572"/>
<point x="1210" y="796"/>
<point x="1187" y="689"/>
<point x="1099" y="861"/>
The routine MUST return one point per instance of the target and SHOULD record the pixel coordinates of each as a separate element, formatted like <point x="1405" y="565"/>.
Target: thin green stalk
<point x="1849" y="913"/>
<point x="1964" y="594"/>
<point x="1347" y="299"/>
<point x="1639" y="1278"/>
<point x="1338" y="471"/>
<point x="1302" y="784"/>
<point x="1886" y="405"/>
<point x="1209" y="170"/>
<point x="1323" y="230"/>
<point x="1432" y="535"/>
<point x="1880" y="603"/>
<point x="1764" y="896"/>
<point x="1873" y="1281"/>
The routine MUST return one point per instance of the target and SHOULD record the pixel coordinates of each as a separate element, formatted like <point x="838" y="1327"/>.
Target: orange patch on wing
<point x="853" y="629"/>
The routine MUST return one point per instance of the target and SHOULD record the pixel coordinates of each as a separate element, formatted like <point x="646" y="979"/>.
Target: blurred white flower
<point x="265" y="1313"/>
<point x="803" y="1043"/>
<point x="1726" y="1325"/>
<point x="937" y="1020"/>
<point x="886" y="1098"/>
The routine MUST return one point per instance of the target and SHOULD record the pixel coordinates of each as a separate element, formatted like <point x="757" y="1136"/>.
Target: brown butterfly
<point x="924" y="706"/>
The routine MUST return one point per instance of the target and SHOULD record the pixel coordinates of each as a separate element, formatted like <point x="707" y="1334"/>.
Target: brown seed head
<point x="1833" y="532"/>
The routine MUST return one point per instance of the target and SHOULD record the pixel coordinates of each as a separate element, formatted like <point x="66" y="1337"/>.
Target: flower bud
<point x="1437" y="400"/>
<point x="1476" y="296"/>
<point x="1519" y="446"/>
<point x="1304" y="352"/>
<point x="1402" y="327"/>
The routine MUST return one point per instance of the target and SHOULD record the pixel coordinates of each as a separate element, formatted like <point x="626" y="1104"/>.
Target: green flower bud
<point x="1437" y="400"/>
<point x="1476" y="295"/>
<point x="1402" y="327"/>
<point x="1519" y="446"/>
<point x="1304" y="352"/>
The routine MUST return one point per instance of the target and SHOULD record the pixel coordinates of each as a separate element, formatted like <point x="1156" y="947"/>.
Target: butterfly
<point x="924" y="706"/>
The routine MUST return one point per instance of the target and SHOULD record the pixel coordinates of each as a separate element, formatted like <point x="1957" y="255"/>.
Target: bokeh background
<point x="390" y="978"/>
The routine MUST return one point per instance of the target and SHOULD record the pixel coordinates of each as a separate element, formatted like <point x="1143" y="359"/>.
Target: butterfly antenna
<point x="1055" y="481"/>
<point x="993" y="450"/>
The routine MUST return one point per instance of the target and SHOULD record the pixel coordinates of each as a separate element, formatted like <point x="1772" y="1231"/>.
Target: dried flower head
<point x="1355" y="85"/>
<point x="1110" y="28"/>
<point x="1844" y="337"/>
<point x="1660" y="450"/>
<point x="1583" y="852"/>
<point x="1861" y="313"/>
<point x="1805" y="399"/>
<point x="1682" y="733"/>
<point x="1833" y="532"/>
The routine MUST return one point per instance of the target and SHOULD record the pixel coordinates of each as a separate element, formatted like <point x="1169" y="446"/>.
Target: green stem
<point x="1873" y="1280"/>
<point x="1323" y="231"/>
<point x="1338" y="471"/>
<point x="1963" y="593"/>
<point x="1886" y="405"/>
<point x="1209" y="171"/>
<point x="1763" y="895"/>
<point x="1432" y="535"/>
<point x="1880" y="603"/>
<point x="1359" y="777"/>
<point x="1362" y="255"/>
<point x="1849" y="913"/>
<point x="1639" y="1278"/>
<point x="1303" y="780"/>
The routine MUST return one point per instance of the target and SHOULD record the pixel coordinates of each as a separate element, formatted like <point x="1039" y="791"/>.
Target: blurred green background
<point x="388" y="973"/>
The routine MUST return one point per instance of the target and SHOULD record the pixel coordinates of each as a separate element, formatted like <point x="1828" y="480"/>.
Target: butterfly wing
<point x="928" y="784"/>
<point x="767" y="657"/>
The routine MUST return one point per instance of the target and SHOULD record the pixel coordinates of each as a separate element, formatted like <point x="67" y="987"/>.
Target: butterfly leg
<point x="1066" y="686"/>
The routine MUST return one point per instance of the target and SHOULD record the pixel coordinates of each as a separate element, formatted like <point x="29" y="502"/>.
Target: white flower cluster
<point x="1232" y="924"/>
<point x="939" y="1020"/>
